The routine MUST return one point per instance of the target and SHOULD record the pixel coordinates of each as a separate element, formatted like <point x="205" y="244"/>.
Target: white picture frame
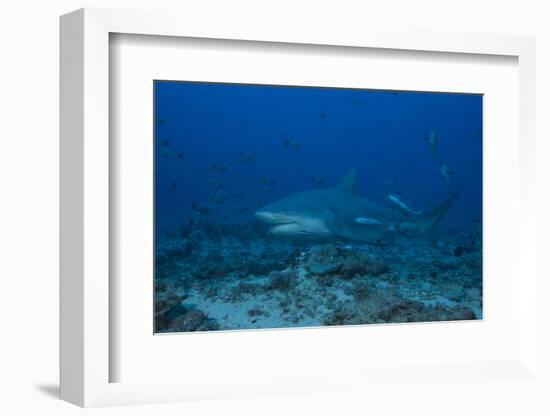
<point x="86" y="355"/>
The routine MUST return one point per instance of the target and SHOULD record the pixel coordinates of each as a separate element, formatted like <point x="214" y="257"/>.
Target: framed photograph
<point x="268" y="211"/>
<point x="260" y="238"/>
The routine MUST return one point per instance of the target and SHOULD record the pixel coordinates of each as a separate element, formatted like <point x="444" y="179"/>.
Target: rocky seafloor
<point x="227" y="277"/>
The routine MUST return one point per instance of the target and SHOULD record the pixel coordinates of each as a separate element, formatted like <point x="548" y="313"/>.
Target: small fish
<point x="242" y="210"/>
<point x="201" y="209"/>
<point x="173" y="187"/>
<point x="213" y="183"/>
<point x="266" y="190"/>
<point x="218" y="167"/>
<point x="323" y="117"/>
<point x="317" y="181"/>
<point x="220" y="197"/>
<point x="160" y="120"/>
<point x="247" y="157"/>
<point x="194" y="219"/>
<point x="164" y="143"/>
<point x="397" y="201"/>
<point x="240" y="196"/>
<point x="172" y="154"/>
<point x="367" y="221"/>
<point x="292" y="144"/>
<point x="467" y="248"/>
<point x="387" y="182"/>
<point x="267" y="181"/>
<point x="432" y="141"/>
<point x="447" y="172"/>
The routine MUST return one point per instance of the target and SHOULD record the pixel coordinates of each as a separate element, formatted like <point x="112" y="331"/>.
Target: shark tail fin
<point x="431" y="219"/>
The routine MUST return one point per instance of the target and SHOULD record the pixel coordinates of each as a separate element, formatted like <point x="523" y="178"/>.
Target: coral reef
<point x="234" y="276"/>
<point x="342" y="263"/>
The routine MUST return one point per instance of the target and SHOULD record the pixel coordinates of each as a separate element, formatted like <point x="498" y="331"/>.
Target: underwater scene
<point x="289" y="206"/>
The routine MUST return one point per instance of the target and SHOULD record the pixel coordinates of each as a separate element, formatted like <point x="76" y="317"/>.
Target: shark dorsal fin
<point x="349" y="182"/>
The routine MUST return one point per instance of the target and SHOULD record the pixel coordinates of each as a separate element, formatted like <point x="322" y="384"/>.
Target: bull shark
<point x="341" y="214"/>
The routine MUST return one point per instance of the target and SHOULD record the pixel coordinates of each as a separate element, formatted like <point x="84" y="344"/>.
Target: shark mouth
<point x="293" y="230"/>
<point x="272" y="218"/>
<point x="286" y="227"/>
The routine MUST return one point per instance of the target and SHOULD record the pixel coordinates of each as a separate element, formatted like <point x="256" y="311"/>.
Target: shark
<point x="340" y="214"/>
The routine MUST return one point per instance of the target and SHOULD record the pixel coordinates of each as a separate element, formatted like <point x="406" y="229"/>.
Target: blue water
<point x="380" y="133"/>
